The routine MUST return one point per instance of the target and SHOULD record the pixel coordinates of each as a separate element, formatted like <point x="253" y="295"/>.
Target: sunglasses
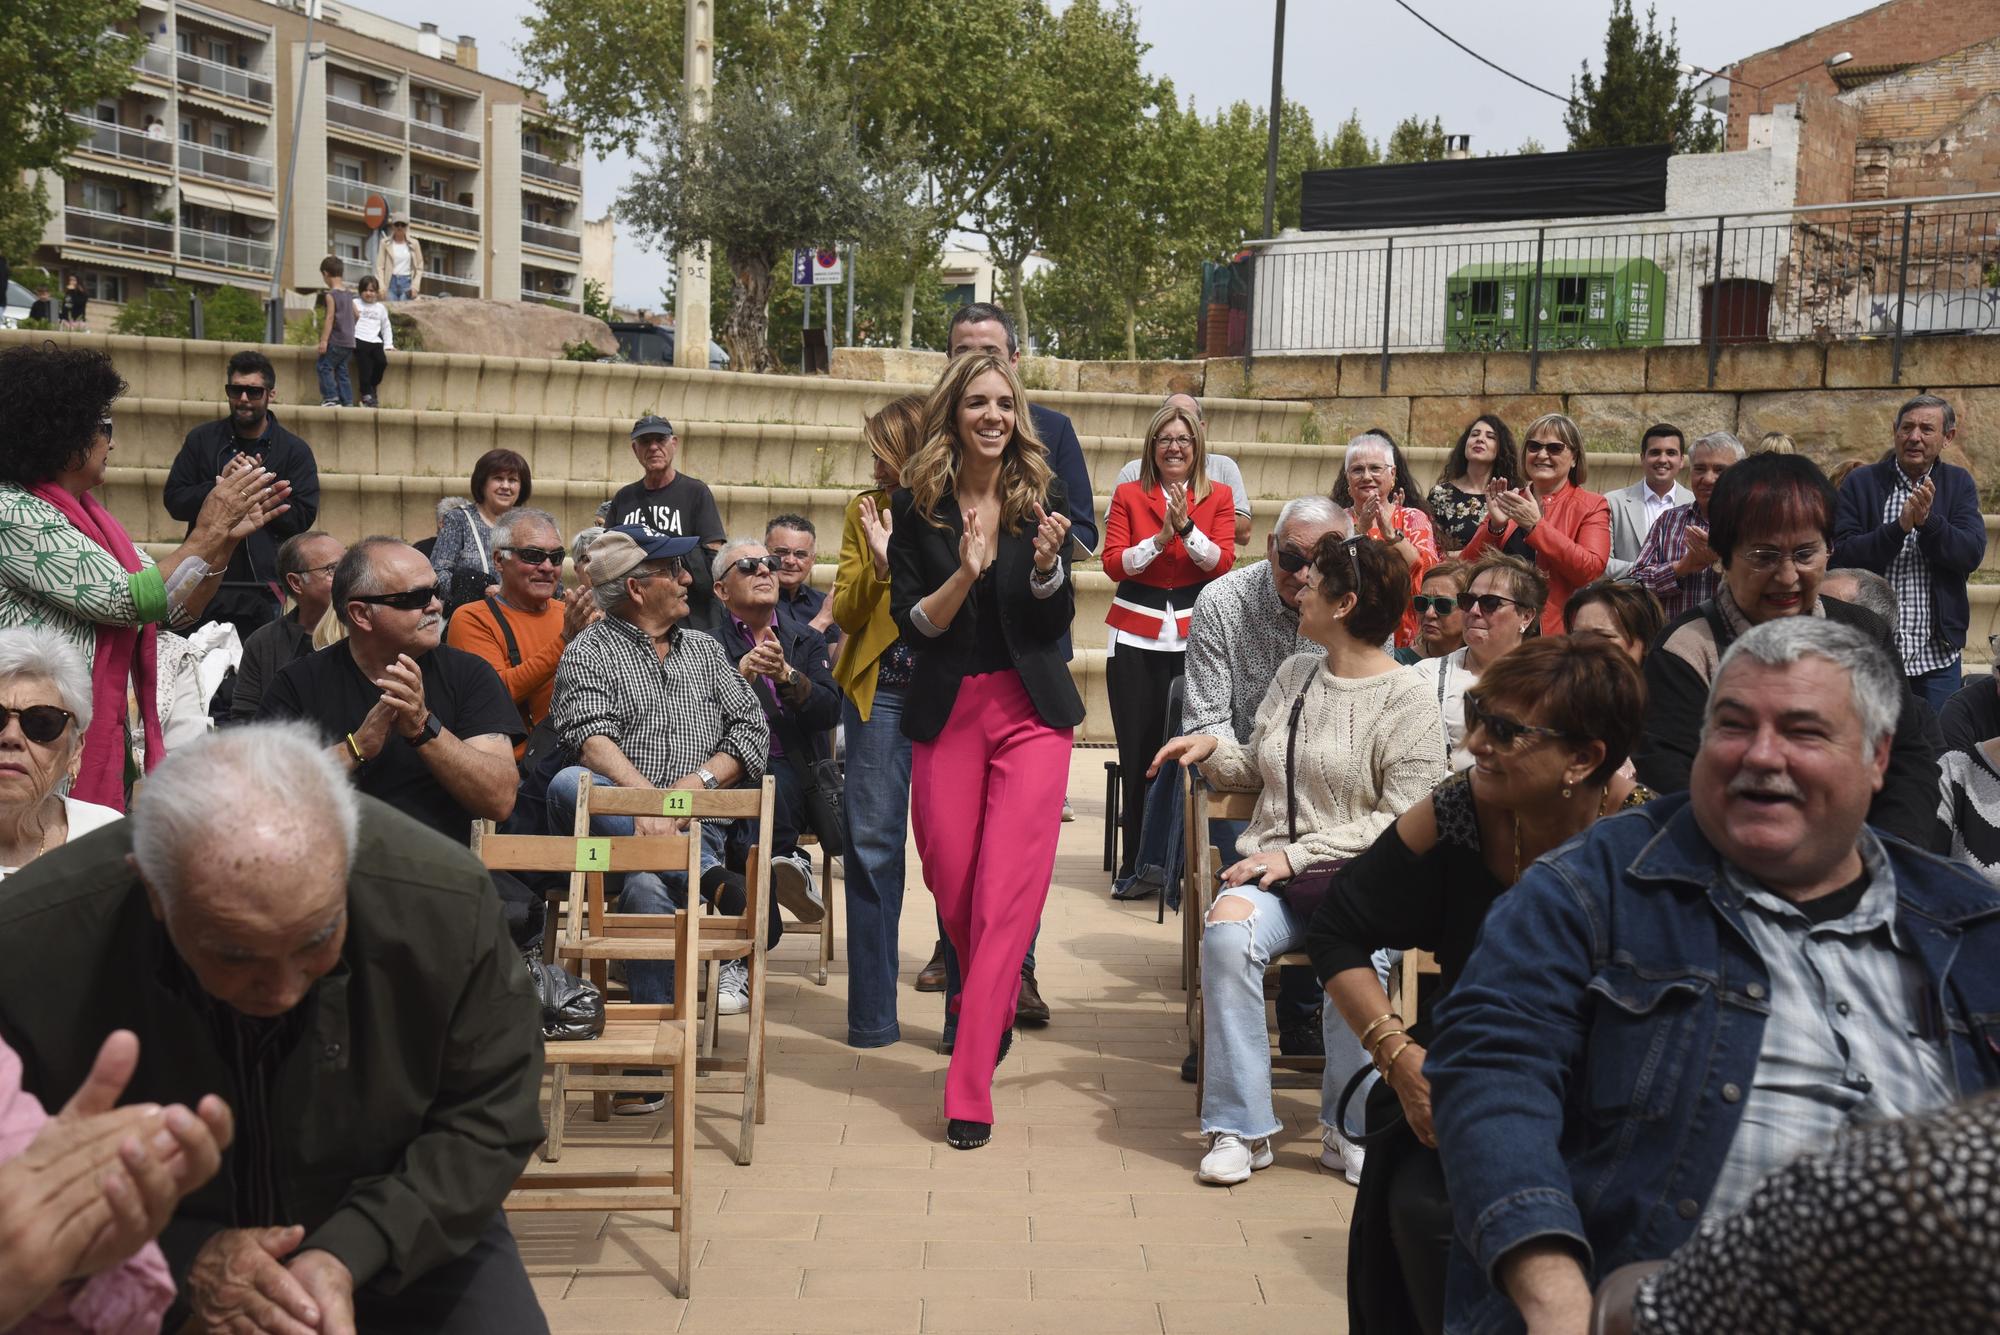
<point x="409" y="600"/>
<point x="40" y="724"/>
<point x="536" y="556"/>
<point x="750" y="565"/>
<point x="1487" y="603"/>
<point x="245" y="391"/>
<point x="1502" y="731"/>
<point x="1291" y="562"/>
<point x="1441" y="603"/>
<point x="1545" y="447"/>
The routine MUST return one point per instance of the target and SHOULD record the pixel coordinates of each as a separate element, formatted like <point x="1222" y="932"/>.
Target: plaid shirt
<point x="1666" y="543"/>
<point x="667" y="715"/>
<point x="1922" y="649"/>
<point x="1848" y="1039"/>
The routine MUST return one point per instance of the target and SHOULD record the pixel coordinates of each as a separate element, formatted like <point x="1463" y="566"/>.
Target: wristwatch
<point x="430" y="733"/>
<point x="1187" y="527"/>
<point x="708" y="780"/>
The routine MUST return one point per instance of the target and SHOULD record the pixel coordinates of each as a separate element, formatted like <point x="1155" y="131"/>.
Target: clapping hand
<point x="765" y="659"/>
<point x="1699" y="555"/>
<point x="972" y="545"/>
<point x="1918" y="508"/>
<point x="580" y="609"/>
<point x="1051" y="532"/>
<point x="245" y="497"/>
<point x="402" y="686"/>
<point x="875" y="528"/>
<point x="1174" y="517"/>
<point x="1520" y="506"/>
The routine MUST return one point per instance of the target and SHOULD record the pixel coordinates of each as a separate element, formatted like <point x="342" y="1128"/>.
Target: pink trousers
<point x="986" y="804"/>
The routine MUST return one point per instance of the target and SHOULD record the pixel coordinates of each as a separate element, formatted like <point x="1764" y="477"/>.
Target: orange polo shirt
<point x="539" y="637"/>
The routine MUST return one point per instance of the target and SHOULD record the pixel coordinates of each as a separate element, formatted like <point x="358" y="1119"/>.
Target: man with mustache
<point x="1693" y="994"/>
<point x="425" y="727"/>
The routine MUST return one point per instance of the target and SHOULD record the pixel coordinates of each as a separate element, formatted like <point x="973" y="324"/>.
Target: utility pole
<point x="274" y="302"/>
<point x="1277" y="113"/>
<point x="691" y="314"/>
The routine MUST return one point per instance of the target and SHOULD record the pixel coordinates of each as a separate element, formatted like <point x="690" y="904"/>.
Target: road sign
<point x="375" y="212"/>
<point x="816" y="268"/>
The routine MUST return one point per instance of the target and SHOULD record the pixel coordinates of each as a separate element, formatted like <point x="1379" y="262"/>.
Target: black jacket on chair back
<point x="922" y="557"/>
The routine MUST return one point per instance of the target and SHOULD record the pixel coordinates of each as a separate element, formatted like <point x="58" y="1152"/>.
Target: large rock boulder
<point x="499" y="328"/>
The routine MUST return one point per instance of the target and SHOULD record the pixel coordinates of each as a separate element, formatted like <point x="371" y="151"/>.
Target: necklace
<point x="1603" y="806"/>
<point x="48" y="829"/>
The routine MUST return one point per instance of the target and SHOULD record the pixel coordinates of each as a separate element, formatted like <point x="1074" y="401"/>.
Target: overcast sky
<point x="1339" y="55"/>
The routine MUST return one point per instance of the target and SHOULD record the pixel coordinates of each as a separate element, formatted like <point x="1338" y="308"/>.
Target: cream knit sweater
<point x="1368" y="749"/>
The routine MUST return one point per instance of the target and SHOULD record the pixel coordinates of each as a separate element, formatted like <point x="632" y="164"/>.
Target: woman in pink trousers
<point x="979" y="583"/>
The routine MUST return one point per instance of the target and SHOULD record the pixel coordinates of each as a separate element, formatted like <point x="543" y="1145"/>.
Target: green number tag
<point x="593" y="855"/>
<point x="677" y="803"/>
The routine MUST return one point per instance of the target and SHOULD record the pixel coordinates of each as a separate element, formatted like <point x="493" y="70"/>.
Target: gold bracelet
<point x="1387" y="1015"/>
<point x="355" y="748"/>
<point x="1375" y="1048"/>
<point x="1391" y="1064"/>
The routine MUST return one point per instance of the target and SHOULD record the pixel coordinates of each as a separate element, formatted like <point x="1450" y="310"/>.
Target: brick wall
<point x="1827" y="132"/>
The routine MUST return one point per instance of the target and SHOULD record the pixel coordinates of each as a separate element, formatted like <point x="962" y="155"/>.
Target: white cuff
<point x="1044" y="586"/>
<point x="1140" y="555"/>
<point x="925" y="626"/>
<point x="1202" y="549"/>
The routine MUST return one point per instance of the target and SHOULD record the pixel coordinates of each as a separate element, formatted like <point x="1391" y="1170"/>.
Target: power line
<point x="1482" y="59"/>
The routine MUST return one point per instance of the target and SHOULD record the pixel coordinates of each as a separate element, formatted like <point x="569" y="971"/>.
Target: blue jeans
<point x="1937" y="686"/>
<point x="1160" y="854"/>
<point x="399" y="287"/>
<point x="1299" y="997"/>
<point x="877" y="804"/>
<point x="334" y="386"/>
<point x="651" y="982"/>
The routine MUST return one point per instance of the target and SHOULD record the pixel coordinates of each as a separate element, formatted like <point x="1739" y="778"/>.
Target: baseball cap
<point x="623" y="549"/>
<point x="652" y="424"/>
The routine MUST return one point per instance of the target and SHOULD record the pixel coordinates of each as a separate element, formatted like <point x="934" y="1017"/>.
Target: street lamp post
<point x="1277" y="113"/>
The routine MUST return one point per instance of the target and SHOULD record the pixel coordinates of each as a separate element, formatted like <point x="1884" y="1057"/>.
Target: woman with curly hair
<point x="68" y="565"/>
<point x="980" y="588"/>
<point x="1485" y="450"/>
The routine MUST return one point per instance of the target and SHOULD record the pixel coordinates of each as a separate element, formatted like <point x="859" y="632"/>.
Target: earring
<point x="1567" y="794"/>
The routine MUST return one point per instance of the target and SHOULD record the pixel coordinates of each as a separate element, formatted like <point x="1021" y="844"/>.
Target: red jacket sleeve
<point x="1118" y="534"/>
<point x="1579" y="554"/>
<point x="1220" y="526"/>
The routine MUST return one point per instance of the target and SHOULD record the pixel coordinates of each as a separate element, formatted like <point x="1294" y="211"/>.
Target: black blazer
<point x="921" y="558"/>
<point x="805" y="725"/>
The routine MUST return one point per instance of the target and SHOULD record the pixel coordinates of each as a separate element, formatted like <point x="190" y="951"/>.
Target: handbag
<point x="1303" y="890"/>
<point x="468" y="586"/>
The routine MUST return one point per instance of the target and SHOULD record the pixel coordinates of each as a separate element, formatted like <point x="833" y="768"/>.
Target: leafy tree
<point x="1529" y="146"/>
<point x="162" y="313"/>
<point x="1351" y="147"/>
<point x="595" y="303"/>
<point x="55" y="56"/>
<point x="1414" y="141"/>
<point x="1640" y="98"/>
<point x="777" y="167"/>
<point x="232" y="314"/>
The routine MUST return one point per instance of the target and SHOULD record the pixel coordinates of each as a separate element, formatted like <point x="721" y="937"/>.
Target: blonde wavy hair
<point x="933" y="470"/>
<point x="894" y="432"/>
<point x="1149" y="471"/>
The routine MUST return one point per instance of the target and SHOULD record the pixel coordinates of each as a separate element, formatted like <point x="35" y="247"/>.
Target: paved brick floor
<point x="1081" y="1217"/>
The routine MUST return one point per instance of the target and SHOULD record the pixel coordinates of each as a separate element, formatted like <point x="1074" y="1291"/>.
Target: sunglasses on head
<point x="40" y="724"/>
<point x="245" y="391"/>
<point x="1501" y="730"/>
<point x="536" y="556"/>
<point x="1487" y="603"/>
<point x="750" y="565"/>
<point x="409" y="600"/>
<point x="1441" y="603"/>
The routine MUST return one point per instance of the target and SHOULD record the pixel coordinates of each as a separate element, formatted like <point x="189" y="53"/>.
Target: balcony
<point x="155" y="62"/>
<point x="438" y="139"/>
<point x="227" y="252"/>
<point x="108" y="140"/>
<point x="551" y="299"/>
<point x="549" y="237"/>
<point x="341" y="193"/>
<point x="115" y="231"/>
<point x="449" y="285"/>
<point x="252" y="86"/>
<point x="219" y="164"/>
<point x="341" y="113"/>
<point x="548" y="169"/>
<point x="439" y="213"/>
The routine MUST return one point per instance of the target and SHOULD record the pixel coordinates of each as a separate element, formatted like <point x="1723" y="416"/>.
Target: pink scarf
<point x="124" y="653"/>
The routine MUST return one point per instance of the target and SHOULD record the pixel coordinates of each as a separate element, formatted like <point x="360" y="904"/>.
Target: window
<point x="102" y="197"/>
<point x="347" y="245"/>
<point x="184" y="42"/>
<point x="348" y="169"/>
<point x="187" y="130"/>
<point x="218" y="51"/>
<point x="218" y="137"/>
<point x="108" y="112"/>
<point x="104" y="286"/>
<point x="344" y="86"/>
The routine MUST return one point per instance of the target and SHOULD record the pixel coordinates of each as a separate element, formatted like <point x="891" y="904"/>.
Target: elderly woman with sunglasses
<point x="45" y="708"/>
<point x="1548" y="518"/>
<point x="70" y="566"/>
<point x="1345" y="740"/>
<point x="1548" y="728"/>
<point x="1501" y="606"/>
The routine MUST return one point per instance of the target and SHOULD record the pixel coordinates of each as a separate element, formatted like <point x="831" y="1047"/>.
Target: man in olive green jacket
<point x="342" y="976"/>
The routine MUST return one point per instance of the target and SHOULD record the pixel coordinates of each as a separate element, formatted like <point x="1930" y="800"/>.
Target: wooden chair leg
<point x="826" y="919"/>
<point x="753" y="1070"/>
<point x="711" y="1019"/>
<point x="558" y="1111"/>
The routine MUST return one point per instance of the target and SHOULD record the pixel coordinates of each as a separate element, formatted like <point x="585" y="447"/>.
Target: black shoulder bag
<point x="542" y="738"/>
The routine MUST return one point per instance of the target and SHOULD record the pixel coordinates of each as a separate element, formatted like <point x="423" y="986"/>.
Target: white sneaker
<point x="1069" y="812"/>
<point x="732" y="993"/>
<point x="792" y="881"/>
<point x="1231" y="1159"/>
<point x="1340" y="1155"/>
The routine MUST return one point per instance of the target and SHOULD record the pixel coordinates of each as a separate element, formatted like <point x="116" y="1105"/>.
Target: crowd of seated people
<point x="1682" y="789"/>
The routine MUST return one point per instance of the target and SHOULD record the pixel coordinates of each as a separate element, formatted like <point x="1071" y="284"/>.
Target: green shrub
<point x="582" y="350"/>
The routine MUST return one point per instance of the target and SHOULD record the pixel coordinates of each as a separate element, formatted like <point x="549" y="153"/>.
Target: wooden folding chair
<point x="823" y="929"/>
<point x="724" y="936"/>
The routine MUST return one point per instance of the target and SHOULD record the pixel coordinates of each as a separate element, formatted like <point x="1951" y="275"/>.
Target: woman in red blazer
<point x="1552" y="521"/>
<point x="1168" y="534"/>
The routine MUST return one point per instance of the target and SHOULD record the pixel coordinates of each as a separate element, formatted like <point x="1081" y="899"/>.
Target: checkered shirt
<point x="1922" y="649"/>
<point x="1666" y="543"/>
<point x="1853" y="1035"/>
<point x="668" y="716"/>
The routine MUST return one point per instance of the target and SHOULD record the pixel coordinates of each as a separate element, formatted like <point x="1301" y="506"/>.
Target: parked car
<point x="19" y="299"/>
<point x="651" y="345"/>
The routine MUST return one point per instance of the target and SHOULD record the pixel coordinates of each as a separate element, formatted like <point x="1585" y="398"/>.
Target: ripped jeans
<point x="1236" y="1087"/>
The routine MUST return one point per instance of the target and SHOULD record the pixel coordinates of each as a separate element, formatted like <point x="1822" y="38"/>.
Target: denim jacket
<point x="1590" y="1067"/>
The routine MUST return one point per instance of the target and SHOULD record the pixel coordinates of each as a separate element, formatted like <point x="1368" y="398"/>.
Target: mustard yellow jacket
<point x="861" y="609"/>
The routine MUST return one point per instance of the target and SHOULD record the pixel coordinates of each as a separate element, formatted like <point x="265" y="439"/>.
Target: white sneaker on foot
<point x="732" y="993"/>
<point x="1069" y="812"/>
<point x="1340" y="1155"/>
<point x="1231" y="1159"/>
<point x="792" y="881"/>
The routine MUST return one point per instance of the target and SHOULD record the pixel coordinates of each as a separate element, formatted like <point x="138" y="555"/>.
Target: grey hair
<point x="612" y="595"/>
<point x="449" y="504"/>
<point x="579" y="545"/>
<point x="355" y="576"/>
<point x="1871" y="591"/>
<point x="1368" y="440"/>
<point x="720" y="562"/>
<point x="36" y="651"/>
<point x="1931" y="401"/>
<point x="1721" y="442"/>
<point x="502" y="533"/>
<point x="1875" y="683"/>
<point x="1310" y="510"/>
<point x="173" y="815"/>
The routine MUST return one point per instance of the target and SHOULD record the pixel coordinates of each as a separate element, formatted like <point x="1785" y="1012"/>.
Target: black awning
<point x="1483" y="190"/>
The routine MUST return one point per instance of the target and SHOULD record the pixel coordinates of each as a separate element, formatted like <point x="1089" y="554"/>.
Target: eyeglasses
<point x="40" y="724"/>
<point x="1767" y="559"/>
<point x="670" y="567"/>
<point x="750" y="565"/>
<point x="1544" y="447"/>
<point x="535" y="556"/>
<point x="409" y="600"/>
<point x="1502" y="731"/>
<point x="1291" y="562"/>
<point x="245" y="391"/>
<point x="1441" y="603"/>
<point x="791" y="553"/>
<point x="1487" y="603"/>
<point x="1183" y="441"/>
<point x="320" y="570"/>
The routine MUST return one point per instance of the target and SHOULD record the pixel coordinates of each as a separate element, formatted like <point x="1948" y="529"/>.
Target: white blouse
<point x="83" y="817"/>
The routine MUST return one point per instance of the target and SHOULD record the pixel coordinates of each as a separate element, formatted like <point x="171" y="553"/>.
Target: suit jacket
<point x="1058" y="433"/>
<point x="1952" y="539"/>
<point x="922" y="556"/>
<point x="1628" y="524"/>
<point x="799" y="727"/>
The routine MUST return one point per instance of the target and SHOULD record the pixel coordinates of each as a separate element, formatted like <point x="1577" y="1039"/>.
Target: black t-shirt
<point x="327" y="688"/>
<point x="685" y="507"/>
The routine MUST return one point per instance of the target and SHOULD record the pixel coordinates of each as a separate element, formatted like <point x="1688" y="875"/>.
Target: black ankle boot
<point x="964" y="1135"/>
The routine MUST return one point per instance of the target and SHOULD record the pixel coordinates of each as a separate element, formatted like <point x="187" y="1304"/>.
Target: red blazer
<point x="1572" y="545"/>
<point x="1135" y="516"/>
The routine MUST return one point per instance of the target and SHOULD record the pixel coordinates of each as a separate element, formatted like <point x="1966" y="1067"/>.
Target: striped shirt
<point x="1666" y="543"/>
<point x="1969" y="809"/>
<point x="1922" y="648"/>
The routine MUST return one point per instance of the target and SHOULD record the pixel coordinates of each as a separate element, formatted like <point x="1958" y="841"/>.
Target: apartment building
<point x="181" y="177"/>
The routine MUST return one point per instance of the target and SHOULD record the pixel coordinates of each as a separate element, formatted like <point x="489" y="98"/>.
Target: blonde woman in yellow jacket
<point x="874" y="675"/>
